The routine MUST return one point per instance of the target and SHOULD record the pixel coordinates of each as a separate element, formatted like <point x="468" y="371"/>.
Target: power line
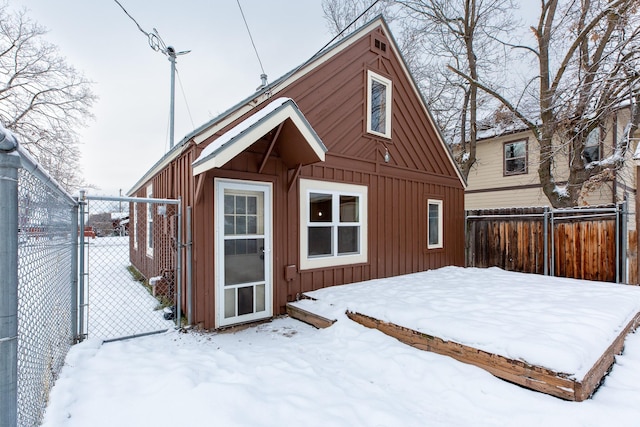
<point x="251" y="37"/>
<point x="132" y="18"/>
<point x="156" y="43"/>
<point x="328" y="43"/>
<point x="184" y="96"/>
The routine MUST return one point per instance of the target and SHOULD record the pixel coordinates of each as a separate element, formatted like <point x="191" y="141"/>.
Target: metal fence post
<point x="9" y="164"/>
<point x="75" y="331"/>
<point x="552" y="268"/>
<point x="81" y="270"/>
<point x="188" y="267"/>
<point x="179" y="267"/>
<point x="545" y="243"/>
<point x="621" y="240"/>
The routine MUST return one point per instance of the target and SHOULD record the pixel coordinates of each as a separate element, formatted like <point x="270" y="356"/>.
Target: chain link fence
<point x="38" y="283"/>
<point x="130" y="256"/>
<point x="46" y="239"/>
<point x="99" y="267"/>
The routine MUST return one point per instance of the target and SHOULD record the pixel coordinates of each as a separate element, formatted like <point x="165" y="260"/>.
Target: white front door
<point x="243" y="251"/>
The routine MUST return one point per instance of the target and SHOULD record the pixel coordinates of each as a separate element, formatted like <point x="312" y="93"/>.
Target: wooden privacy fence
<point x="583" y="243"/>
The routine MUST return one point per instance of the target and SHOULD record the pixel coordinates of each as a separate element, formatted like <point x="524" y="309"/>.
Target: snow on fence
<point x="38" y="279"/>
<point x="582" y="243"/>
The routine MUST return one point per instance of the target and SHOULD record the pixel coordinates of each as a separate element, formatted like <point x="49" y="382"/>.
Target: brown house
<point x="334" y="173"/>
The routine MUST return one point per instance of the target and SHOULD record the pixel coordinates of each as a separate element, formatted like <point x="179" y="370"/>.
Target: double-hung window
<point x="378" y="105"/>
<point x="333" y="224"/>
<point x="515" y="157"/>
<point x="434" y="224"/>
<point x="591" y="152"/>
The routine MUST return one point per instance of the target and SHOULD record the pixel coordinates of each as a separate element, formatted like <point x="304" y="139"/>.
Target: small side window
<point x="434" y="224"/>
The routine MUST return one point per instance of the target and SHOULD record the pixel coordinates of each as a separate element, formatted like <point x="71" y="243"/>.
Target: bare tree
<point x="339" y="14"/>
<point x="460" y="33"/>
<point x="42" y="98"/>
<point x="437" y="33"/>
<point x="587" y="55"/>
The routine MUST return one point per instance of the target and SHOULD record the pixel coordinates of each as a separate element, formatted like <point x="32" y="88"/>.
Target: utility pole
<point x="158" y="45"/>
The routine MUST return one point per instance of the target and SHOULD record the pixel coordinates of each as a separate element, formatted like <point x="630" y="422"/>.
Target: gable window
<point x="515" y="157"/>
<point x="378" y="105"/>
<point x="434" y="224"/>
<point x="333" y="224"/>
<point x="150" y="222"/>
<point x="591" y="152"/>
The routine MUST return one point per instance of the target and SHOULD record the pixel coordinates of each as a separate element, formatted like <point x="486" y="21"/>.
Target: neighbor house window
<point x="591" y="152"/>
<point x="150" y="222"/>
<point x="515" y="157"/>
<point x="434" y="224"/>
<point x="378" y="105"/>
<point x="333" y="222"/>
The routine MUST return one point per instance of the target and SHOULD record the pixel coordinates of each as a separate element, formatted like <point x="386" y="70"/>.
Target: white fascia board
<point x="245" y="138"/>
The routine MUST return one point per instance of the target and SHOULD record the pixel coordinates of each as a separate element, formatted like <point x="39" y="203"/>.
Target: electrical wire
<point x="250" y="37"/>
<point x="133" y="19"/>
<point x="270" y="89"/>
<point x="184" y="96"/>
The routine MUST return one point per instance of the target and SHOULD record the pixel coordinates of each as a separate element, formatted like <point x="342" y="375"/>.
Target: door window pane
<point x="252" y="205"/>
<point x="260" y="298"/>
<point x="229" y="303"/>
<point x="245" y="300"/>
<point x="242" y="265"/>
<point x="229" y="203"/>
<point x="241" y="224"/>
<point x="252" y="224"/>
<point x="241" y="205"/>
<point x="229" y="226"/>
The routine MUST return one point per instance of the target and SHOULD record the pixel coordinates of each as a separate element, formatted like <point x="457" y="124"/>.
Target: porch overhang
<point x="297" y="142"/>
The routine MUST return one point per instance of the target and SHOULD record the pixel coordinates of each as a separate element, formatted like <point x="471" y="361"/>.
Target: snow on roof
<point x="242" y="127"/>
<point x="119" y="215"/>
<point x="241" y="136"/>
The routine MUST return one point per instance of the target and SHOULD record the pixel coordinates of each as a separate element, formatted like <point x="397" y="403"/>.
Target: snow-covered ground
<point x="288" y="373"/>
<point x="118" y="306"/>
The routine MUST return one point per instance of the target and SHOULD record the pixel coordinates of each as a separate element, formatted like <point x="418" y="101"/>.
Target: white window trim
<point x="440" y="243"/>
<point x="149" y="221"/>
<point x="307" y="187"/>
<point x="371" y="76"/>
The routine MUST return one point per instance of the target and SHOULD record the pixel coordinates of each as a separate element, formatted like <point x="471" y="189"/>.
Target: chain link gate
<point x="130" y="266"/>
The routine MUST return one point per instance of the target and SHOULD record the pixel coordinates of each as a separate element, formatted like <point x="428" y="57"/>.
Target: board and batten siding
<point x="333" y="99"/>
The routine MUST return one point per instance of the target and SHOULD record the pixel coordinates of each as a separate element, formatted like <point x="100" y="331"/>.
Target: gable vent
<point x="380" y="45"/>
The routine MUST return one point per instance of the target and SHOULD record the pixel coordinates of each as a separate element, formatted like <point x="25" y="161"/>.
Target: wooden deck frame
<point x="305" y="316"/>
<point x="536" y="378"/>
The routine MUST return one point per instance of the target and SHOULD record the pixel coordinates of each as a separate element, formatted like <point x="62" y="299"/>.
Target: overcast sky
<point x="130" y="131"/>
